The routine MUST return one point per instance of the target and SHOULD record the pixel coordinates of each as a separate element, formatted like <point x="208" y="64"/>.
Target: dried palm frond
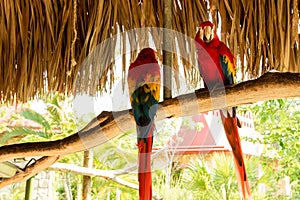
<point x="48" y="46"/>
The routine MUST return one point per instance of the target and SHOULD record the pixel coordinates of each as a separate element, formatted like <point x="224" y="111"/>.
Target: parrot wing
<point x="227" y="61"/>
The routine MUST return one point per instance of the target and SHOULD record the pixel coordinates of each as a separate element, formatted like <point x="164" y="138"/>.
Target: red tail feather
<point x="231" y="130"/>
<point x="145" y="179"/>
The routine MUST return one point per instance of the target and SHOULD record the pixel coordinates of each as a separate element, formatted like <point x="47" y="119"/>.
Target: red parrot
<point x="144" y="91"/>
<point x="217" y="68"/>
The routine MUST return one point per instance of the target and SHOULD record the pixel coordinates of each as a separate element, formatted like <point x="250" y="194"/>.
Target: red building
<point x="205" y="134"/>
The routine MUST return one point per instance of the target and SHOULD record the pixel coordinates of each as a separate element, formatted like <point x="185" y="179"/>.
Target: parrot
<point x="217" y="68"/>
<point x="144" y="92"/>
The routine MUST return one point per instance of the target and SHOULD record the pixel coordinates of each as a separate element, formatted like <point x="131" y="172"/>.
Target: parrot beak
<point x="207" y="34"/>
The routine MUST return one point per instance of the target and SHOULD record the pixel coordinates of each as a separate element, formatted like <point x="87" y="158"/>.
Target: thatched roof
<point x="43" y="44"/>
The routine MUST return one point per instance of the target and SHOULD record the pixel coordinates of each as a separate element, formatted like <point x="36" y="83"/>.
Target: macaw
<point x="144" y="91"/>
<point x="217" y="68"/>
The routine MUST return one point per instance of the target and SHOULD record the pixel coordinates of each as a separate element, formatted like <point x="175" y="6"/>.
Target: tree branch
<point x="106" y="174"/>
<point x="108" y="125"/>
<point x="30" y="171"/>
<point x="49" y="163"/>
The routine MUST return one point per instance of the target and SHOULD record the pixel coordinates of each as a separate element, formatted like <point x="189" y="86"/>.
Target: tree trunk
<point x="167" y="46"/>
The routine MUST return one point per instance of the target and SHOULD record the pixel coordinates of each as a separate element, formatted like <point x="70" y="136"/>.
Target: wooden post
<point x="29" y="188"/>
<point x="167" y="45"/>
<point x="87" y="180"/>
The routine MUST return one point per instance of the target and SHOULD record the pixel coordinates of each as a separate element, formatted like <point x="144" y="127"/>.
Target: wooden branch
<point x="106" y="174"/>
<point x="30" y="171"/>
<point x="108" y="125"/>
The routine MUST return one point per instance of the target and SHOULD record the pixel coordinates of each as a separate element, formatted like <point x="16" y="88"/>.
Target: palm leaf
<point x="36" y="117"/>
<point x="22" y="131"/>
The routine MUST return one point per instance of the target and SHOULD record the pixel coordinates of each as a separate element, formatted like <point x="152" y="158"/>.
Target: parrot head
<point x="207" y="31"/>
<point x="146" y="55"/>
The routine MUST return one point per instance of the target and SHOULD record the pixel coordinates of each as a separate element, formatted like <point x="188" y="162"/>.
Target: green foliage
<point x="43" y="134"/>
<point x="57" y="122"/>
<point x="174" y="188"/>
<point x="279" y="123"/>
<point x="36" y="117"/>
<point x="211" y="180"/>
<point x="13" y="192"/>
<point x="105" y="189"/>
<point x="214" y="177"/>
<point x="117" y="154"/>
<point x="72" y="181"/>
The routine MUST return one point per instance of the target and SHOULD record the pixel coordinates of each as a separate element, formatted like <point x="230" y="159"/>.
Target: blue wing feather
<point x="228" y="75"/>
<point x="228" y="79"/>
<point x="144" y="107"/>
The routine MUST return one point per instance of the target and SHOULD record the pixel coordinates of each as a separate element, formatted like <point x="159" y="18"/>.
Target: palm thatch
<point x="44" y="44"/>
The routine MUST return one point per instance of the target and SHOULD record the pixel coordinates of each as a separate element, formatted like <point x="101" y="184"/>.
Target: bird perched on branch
<point x="144" y="91"/>
<point x="217" y="68"/>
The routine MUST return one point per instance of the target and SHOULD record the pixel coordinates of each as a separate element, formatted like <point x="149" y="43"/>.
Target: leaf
<point x="21" y="131"/>
<point x="36" y="117"/>
<point x="263" y="119"/>
<point x="54" y="108"/>
<point x="281" y="102"/>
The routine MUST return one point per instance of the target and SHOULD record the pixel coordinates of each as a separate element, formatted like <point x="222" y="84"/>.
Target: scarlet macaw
<point x="217" y="67"/>
<point x="144" y="92"/>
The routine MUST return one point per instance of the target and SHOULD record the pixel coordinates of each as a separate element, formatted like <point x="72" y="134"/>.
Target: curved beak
<point x="208" y="34"/>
